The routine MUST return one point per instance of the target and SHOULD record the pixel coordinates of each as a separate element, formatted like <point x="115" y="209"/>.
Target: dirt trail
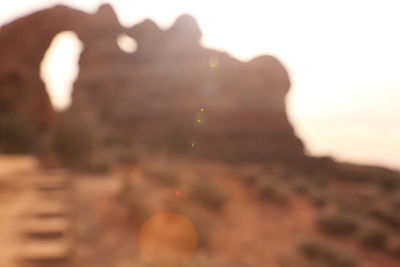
<point x="12" y="165"/>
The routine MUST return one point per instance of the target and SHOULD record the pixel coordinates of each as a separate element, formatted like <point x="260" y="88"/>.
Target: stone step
<point x="52" y="177"/>
<point x="37" y="225"/>
<point x="45" y="227"/>
<point x="45" y="250"/>
<point x="52" y="214"/>
<point x="47" y="263"/>
<point x="51" y="183"/>
<point x="51" y="187"/>
<point x="50" y="235"/>
<point x="48" y="209"/>
<point x="52" y="195"/>
<point x="58" y="172"/>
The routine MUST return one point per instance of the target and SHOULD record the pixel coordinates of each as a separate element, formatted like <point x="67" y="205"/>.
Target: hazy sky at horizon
<point x="343" y="58"/>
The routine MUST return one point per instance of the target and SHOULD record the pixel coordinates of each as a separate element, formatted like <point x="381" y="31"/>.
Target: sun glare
<point x="59" y="68"/>
<point x="126" y="43"/>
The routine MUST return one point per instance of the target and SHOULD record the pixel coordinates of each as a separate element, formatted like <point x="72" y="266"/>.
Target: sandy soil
<point x="249" y="231"/>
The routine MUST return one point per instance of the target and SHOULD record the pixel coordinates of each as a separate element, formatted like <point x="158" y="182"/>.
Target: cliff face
<point x="23" y="44"/>
<point x="171" y="93"/>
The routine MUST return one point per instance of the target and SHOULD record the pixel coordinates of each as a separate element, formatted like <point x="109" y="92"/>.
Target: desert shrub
<point x="353" y="204"/>
<point x="250" y="179"/>
<point x="390" y="183"/>
<point x="326" y="255"/>
<point x="162" y="176"/>
<point x="16" y="135"/>
<point x="373" y="238"/>
<point x="73" y="139"/>
<point x="386" y="216"/>
<point x="384" y="178"/>
<point x="76" y="141"/>
<point x="388" y="180"/>
<point x="251" y="175"/>
<point x="127" y="155"/>
<point x="204" y="230"/>
<point x="301" y="187"/>
<point x="273" y="192"/>
<point x="394" y="249"/>
<point x="337" y="224"/>
<point x="202" y="224"/>
<point x="208" y="194"/>
<point x="203" y="261"/>
<point x="134" y="202"/>
<point x="319" y="200"/>
<point x="321" y="182"/>
<point x="100" y="162"/>
<point x="396" y="202"/>
<point x="123" y="148"/>
<point x="137" y="209"/>
<point x="198" y="263"/>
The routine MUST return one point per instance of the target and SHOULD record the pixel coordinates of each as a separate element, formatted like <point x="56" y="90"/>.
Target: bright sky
<point x="343" y="58"/>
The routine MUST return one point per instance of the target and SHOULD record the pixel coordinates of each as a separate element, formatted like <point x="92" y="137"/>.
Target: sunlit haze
<point x="60" y="68"/>
<point x="343" y="58"/>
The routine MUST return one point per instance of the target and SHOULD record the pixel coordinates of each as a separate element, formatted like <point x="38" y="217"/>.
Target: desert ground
<point x="243" y="215"/>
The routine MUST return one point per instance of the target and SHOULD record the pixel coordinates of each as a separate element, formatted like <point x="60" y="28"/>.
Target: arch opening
<point x="60" y="68"/>
<point x="126" y="43"/>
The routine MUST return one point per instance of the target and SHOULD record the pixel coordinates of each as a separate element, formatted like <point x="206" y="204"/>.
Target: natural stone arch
<point x="24" y="43"/>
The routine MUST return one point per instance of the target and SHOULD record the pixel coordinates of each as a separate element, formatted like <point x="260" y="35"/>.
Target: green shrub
<point x="396" y="202"/>
<point x="76" y="140"/>
<point x="73" y="140"/>
<point x="386" y="217"/>
<point x="204" y="229"/>
<point x="162" y="176"/>
<point x="100" y="162"/>
<point x="301" y="188"/>
<point x="250" y="180"/>
<point x="16" y="135"/>
<point x="394" y="249"/>
<point x="127" y="155"/>
<point x="134" y="202"/>
<point x="207" y="193"/>
<point x="321" y="182"/>
<point x="325" y="255"/>
<point x="204" y="261"/>
<point x="373" y="238"/>
<point x="389" y="181"/>
<point x="273" y="192"/>
<point x="319" y="200"/>
<point x="386" y="179"/>
<point x="337" y="224"/>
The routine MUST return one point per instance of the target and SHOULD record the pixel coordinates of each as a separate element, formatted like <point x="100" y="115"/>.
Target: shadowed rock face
<point x="23" y="44"/>
<point x="170" y="93"/>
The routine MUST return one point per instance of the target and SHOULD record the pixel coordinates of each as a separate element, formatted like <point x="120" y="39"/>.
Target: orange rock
<point x="155" y="94"/>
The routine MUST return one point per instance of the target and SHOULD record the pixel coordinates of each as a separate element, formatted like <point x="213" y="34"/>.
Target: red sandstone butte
<point x="171" y="93"/>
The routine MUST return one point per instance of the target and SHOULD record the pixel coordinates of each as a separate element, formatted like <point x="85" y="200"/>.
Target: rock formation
<point x="23" y="44"/>
<point x="171" y="93"/>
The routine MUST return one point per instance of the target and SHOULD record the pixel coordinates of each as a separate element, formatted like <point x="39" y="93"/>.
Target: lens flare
<point x="167" y="239"/>
<point x="194" y="143"/>
<point x="213" y="62"/>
